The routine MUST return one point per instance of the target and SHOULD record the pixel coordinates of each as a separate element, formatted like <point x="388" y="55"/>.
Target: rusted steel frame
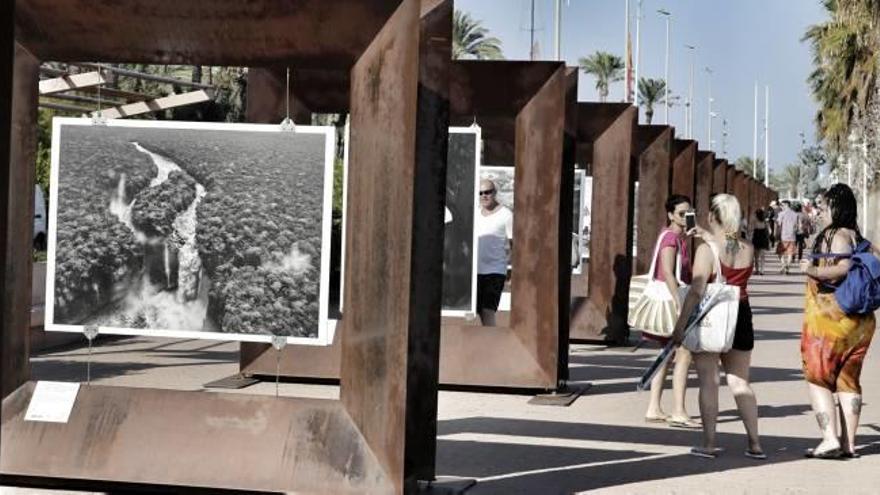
<point x="7" y="82"/>
<point x="388" y="355"/>
<point x="652" y="161"/>
<point x="730" y="184"/>
<point x="719" y="180"/>
<point x="605" y="136"/>
<point x="684" y="167"/>
<point x="292" y="443"/>
<point x="255" y="33"/>
<point x="524" y="357"/>
<point x="705" y="185"/>
<point x="18" y="205"/>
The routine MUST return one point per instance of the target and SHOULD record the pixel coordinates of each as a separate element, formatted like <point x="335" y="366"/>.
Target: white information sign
<point x="52" y="402"/>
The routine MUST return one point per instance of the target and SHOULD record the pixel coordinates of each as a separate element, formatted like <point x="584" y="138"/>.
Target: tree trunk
<point x="649" y="115"/>
<point x="197" y="74"/>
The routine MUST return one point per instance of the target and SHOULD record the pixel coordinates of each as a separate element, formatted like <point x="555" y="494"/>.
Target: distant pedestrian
<point x="494" y="226"/>
<point x="834" y="344"/>
<point x="772" y="214"/>
<point x="786" y="227"/>
<point x="735" y="257"/>
<point x="804" y="230"/>
<point x="673" y="249"/>
<point x="760" y="240"/>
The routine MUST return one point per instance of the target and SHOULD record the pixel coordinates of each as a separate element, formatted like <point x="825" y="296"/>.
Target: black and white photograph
<point x="503" y="178"/>
<point x="459" y="242"/>
<point x="586" y="216"/>
<point x="577" y="223"/>
<point x="190" y="230"/>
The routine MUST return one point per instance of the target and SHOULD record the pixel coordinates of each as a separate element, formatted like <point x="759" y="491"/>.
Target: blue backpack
<point x="859" y="292"/>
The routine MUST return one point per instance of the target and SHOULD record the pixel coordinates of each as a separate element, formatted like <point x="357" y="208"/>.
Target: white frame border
<point x="323" y="338"/>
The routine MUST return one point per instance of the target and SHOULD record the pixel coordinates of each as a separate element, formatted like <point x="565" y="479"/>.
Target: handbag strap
<point x="653" y="269"/>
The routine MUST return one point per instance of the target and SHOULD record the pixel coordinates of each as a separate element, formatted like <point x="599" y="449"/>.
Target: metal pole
<point x="626" y="62"/>
<point x="755" y="137"/>
<point x="557" y="45"/>
<point x="532" y="34"/>
<point x="766" y="135"/>
<point x="689" y="128"/>
<point x="668" y="16"/>
<point x="638" y="51"/>
<point x="709" y="136"/>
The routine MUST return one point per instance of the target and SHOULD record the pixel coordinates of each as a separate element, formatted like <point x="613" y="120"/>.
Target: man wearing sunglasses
<point x="494" y="224"/>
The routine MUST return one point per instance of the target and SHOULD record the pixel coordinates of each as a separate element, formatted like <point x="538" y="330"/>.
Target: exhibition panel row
<point x="357" y="263"/>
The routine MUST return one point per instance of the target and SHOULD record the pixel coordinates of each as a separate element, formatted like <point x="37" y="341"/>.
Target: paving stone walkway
<point x="600" y="443"/>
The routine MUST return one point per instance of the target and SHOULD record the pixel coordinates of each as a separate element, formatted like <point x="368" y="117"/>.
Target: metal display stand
<point x="529" y="347"/>
<point x="599" y="297"/>
<point x="380" y="437"/>
<point x="652" y="161"/>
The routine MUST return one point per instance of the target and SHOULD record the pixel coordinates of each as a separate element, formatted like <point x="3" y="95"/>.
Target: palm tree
<point x="790" y="180"/>
<point x="651" y="92"/>
<point x="606" y="67"/>
<point x="745" y="164"/>
<point x="469" y="39"/>
<point x="845" y="58"/>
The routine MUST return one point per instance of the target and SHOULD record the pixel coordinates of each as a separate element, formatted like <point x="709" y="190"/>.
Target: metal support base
<point x="563" y="397"/>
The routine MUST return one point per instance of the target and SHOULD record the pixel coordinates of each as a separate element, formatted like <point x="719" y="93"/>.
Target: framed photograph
<point x="577" y="223"/>
<point x="460" y="237"/>
<point x="503" y="178"/>
<point x="190" y="230"/>
<point x="586" y="215"/>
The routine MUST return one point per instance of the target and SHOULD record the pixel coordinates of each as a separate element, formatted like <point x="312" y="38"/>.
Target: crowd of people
<point x="833" y="341"/>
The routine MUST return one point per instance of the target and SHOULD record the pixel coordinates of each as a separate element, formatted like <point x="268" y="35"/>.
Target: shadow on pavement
<point x="517" y="468"/>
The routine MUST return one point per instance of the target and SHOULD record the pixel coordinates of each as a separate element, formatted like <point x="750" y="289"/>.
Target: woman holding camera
<point x="673" y="251"/>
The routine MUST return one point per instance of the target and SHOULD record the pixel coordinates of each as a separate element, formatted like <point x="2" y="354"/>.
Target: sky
<point x="742" y="41"/>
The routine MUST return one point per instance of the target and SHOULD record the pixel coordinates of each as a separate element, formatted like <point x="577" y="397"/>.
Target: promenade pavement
<point x="599" y="444"/>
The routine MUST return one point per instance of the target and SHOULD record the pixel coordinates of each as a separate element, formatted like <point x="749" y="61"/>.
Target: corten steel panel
<point x="652" y="160"/>
<point x="705" y="174"/>
<point x="7" y="60"/>
<point x="314" y="33"/>
<point x="18" y="208"/>
<point x="525" y="355"/>
<point x="719" y="181"/>
<point x="393" y="248"/>
<point x="754" y="200"/>
<point x="605" y="136"/>
<point x="684" y="163"/>
<point x="730" y="184"/>
<point x="275" y="436"/>
<point x="388" y="354"/>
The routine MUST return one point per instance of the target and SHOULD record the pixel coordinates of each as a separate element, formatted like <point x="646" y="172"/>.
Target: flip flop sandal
<point x="834" y="454"/>
<point x="682" y="423"/>
<point x="850" y="455"/>
<point x="760" y="456"/>
<point x="704" y="453"/>
<point x="656" y="419"/>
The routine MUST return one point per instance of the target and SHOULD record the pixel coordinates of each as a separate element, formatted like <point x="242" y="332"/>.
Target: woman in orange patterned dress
<point x="834" y="344"/>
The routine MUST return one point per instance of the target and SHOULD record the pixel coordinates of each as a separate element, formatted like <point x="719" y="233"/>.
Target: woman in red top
<point x="673" y="248"/>
<point x="737" y="258"/>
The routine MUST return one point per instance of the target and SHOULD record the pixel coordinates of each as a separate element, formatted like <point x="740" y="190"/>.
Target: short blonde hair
<point x="727" y="213"/>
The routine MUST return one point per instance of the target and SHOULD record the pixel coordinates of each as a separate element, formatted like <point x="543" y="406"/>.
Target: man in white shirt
<point x="786" y="227"/>
<point x="494" y="224"/>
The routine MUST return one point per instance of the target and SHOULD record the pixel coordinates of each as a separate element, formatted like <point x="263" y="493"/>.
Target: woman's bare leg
<point x="683" y="359"/>
<point x="655" y="409"/>
<point x="736" y="367"/>
<point x="707" y="371"/>
<point x="850" y="410"/>
<point x="826" y="415"/>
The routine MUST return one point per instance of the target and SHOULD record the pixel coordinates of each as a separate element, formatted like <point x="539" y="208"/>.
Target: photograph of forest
<point x="192" y="230"/>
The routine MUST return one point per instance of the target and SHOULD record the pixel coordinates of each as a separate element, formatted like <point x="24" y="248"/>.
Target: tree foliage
<point x="651" y="92"/>
<point x="746" y="165"/>
<point x="471" y="40"/>
<point x="606" y="67"/>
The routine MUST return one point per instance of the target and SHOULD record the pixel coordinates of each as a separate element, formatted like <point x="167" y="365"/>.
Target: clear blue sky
<point x="743" y="41"/>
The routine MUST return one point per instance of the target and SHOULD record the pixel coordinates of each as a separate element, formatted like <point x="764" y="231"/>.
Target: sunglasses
<point x="487" y="193"/>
